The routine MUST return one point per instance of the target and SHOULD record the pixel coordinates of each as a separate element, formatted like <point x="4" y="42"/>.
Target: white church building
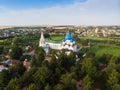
<point x="68" y="43"/>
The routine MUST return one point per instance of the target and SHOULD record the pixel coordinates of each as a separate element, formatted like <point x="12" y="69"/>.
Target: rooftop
<point x="68" y="37"/>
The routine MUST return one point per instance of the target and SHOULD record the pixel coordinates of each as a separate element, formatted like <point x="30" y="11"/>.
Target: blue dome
<point x="68" y="37"/>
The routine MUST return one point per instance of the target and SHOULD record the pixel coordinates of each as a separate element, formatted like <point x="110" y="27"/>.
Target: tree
<point x="112" y="80"/>
<point x="16" y="52"/>
<point x="71" y="59"/>
<point x="66" y="61"/>
<point x="16" y="41"/>
<point x="39" y="50"/>
<point x="68" y="81"/>
<point x="45" y="63"/>
<point x="113" y="60"/>
<point x="41" y="77"/>
<point x="28" y="57"/>
<point x="26" y="79"/>
<point x="88" y="67"/>
<point x="53" y="65"/>
<point x="55" y="71"/>
<point x="110" y="68"/>
<point x="77" y="69"/>
<point x="13" y="85"/>
<point x="90" y="54"/>
<point x="46" y="35"/>
<point x="105" y="58"/>
<point x="47" y="87"/>
<point x="87" y="83"/>
<point x="59" y="87"/>
<point x="81" y="52"/>
<point x="52" y="52"/>
<point x="63" y="60"/>
<point x="116" y="87"/>
<point x="17" y="70"/>
<point x="39" y="54"/>
<point x="1" y="49"/>
<point x="32" y="87"/>
<point x="38" y="61"/>
<point x="4" y="78"/>
<point x="34" y="62"/>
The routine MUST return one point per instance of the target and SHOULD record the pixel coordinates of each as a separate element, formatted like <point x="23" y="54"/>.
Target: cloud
<point x="89" y="13"/>
<point x="3" y="8"/>
<point x="53" y="15"/>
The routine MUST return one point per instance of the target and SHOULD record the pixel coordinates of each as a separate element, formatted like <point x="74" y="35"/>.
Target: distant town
<point x="92" y="31"/>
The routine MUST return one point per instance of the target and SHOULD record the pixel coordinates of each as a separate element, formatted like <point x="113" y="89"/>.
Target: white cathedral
<point x="68" y="44"/>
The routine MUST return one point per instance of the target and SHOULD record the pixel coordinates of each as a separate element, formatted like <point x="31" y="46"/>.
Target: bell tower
<point x="42" y="41"/>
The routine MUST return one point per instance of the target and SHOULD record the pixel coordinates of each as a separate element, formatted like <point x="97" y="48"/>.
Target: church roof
<point x="68" y="37"/>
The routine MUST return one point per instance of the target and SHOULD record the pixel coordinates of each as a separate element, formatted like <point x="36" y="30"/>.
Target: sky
<point x="59" y="12"/>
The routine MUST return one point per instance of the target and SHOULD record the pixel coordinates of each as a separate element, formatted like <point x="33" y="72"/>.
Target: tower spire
<point x="42" y="40"/>
<point x="42" y="36"/>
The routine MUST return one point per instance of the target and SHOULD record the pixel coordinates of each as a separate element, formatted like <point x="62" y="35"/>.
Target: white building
<point x="68" y="43"/>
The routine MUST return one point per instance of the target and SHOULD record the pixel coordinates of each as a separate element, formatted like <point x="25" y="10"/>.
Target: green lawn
<point x="1" y="40"/>
<point x="102" y="39"/>
<point x="55" y="38"/>
<point x="100" y="50"/>
<point x="103" y="45"/>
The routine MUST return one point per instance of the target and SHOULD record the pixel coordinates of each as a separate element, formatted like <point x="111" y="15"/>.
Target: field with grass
<point x="99" y="50"/>
<point x="1" y="40"/>
<point x="102" y="46"/>
<point x="102" y="39"/>
<point x="55" y="38"/>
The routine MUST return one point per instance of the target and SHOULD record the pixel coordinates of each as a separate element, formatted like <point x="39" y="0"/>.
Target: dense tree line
<point x="63" y="72"/>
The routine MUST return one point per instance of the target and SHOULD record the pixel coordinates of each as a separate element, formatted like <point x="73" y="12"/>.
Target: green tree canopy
<point x="4" y="78"/>
<point x="68" y="81"/>
<point x="88" y="83"/>
<point x="112" y="80"/>
<point x="1" y="49"/>
<point x="41" y="76"/>
<point x="13" y="85"/>
<point x="16" y="52"/>
<point x="88" y="67"/>
<point x="32" y="87"/>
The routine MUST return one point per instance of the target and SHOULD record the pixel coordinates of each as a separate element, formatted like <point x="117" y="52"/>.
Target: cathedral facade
<point x="68" y="43"/>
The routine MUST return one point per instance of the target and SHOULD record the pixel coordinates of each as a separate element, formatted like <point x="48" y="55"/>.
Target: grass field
<point x="100" y="50"/>
<point x="102" y="46"/>
<point x="55" y="38"/>
<point x="102" y="40"/>
<point x="1" y="40"/>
